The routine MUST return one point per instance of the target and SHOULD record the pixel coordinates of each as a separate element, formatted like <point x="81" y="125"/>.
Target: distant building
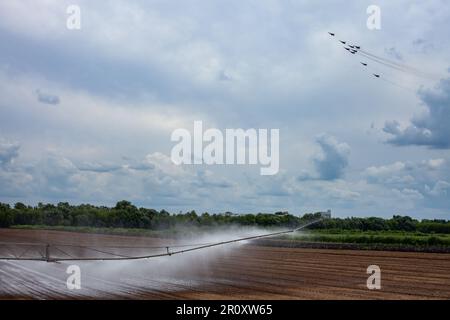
<point x="326" y="214"/>
<point x="231" y="214"/>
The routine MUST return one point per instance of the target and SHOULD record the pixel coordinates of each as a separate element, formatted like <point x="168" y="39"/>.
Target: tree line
<point x="126" y="215"/>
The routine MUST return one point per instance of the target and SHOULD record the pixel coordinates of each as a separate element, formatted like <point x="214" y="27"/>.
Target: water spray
<point x="176" y="249"/>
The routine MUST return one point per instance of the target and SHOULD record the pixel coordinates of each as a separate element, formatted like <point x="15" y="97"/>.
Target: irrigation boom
<point x="178" y="249"/>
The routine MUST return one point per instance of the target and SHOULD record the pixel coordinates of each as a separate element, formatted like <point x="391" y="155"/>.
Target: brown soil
<point x="234" y="271"/>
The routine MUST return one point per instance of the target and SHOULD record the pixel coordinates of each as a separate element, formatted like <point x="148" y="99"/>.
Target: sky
<point x="86" y="115"/>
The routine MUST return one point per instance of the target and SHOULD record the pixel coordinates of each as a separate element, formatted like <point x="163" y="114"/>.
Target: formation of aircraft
<point x="379" y="60"/>
<point x="353" y="49"/>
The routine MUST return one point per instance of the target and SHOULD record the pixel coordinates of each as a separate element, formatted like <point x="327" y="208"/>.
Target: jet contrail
<point x="353" y="49"/>
<point x="399" y="66"/>
<point x="415" y="73"/>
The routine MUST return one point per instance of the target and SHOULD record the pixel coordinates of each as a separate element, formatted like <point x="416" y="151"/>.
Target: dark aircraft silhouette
<point x="376" y="75"/>
<point x="331" y="34"/>
<point x="364" y="64"/>
<point x="343" y="42"/>
<point x="358" y="47"/>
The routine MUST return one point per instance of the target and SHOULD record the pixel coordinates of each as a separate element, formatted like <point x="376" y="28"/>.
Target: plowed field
<point x="235" y="271"/>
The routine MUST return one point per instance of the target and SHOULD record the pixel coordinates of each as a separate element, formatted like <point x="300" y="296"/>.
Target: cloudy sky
<point x="86" y="115"/>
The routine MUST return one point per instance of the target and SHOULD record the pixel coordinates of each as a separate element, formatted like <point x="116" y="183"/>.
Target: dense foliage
<point x="126" y="215"/>
<point x="376" y="237"/>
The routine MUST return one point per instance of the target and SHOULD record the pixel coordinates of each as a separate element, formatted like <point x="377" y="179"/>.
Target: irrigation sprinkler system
<point x="45" y="250"/>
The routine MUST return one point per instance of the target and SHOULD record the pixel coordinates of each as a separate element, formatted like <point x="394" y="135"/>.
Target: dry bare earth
<point x="230" y="272"/>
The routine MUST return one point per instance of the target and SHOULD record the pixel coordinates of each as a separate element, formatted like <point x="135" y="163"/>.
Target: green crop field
<point x="373" y="237"/>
